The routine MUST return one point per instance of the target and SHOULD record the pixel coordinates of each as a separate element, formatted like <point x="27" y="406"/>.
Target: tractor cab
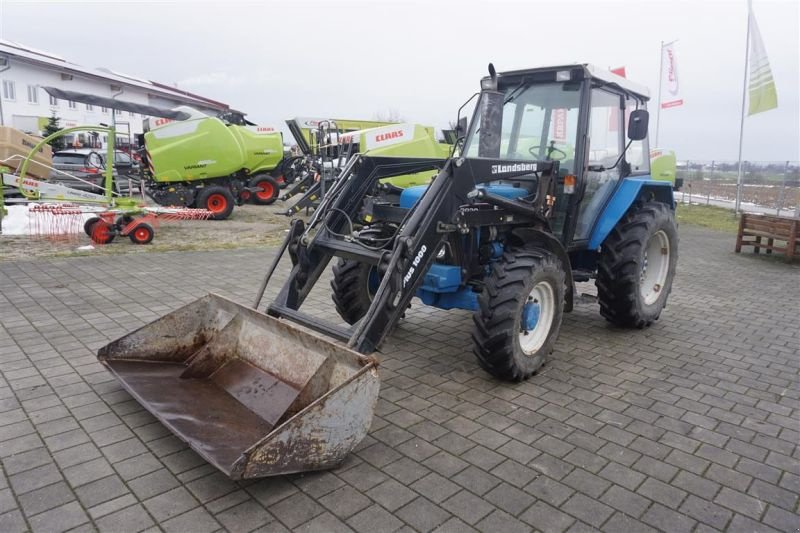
<point x="576" y="116"/>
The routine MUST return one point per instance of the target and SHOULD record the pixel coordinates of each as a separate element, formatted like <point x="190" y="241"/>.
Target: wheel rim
<point x="266" y="190"/>
<point x="217" y="203"/>
<point x="141" y="234"/>
<point x="101" y="231"/>
<point x="537" y="317"/>
<point x="655" y="267"/>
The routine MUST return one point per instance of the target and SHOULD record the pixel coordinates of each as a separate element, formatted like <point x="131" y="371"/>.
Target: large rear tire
<point x="216" y="199"/>
<point x="354" y="285"/>
<point x="519" y="314"/>
<point x="637" y="265"/>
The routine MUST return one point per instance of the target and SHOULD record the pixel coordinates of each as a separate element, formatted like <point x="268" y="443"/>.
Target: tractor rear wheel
<point x="519" y="314"/>
<point x="354" y="285"/>
<point x="268" y="189"/>
<point x="216" y="199"/>
<point x="637" y="265"/>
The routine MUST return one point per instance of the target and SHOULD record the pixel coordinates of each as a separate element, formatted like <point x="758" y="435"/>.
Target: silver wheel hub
<point x="537" y="317"/>
<point x="655" y="267"/>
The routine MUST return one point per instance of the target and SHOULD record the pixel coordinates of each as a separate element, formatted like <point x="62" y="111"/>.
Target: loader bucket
<point x="253" y="395"/>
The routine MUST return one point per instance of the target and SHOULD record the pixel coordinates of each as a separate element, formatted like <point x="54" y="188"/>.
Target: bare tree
<point x="390" y="115"/>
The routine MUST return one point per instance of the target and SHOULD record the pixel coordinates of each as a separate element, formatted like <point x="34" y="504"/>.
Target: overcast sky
<point x="422" y="59"/>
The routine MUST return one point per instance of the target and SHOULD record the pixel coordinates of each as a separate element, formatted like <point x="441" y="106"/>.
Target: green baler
<point x="209" y="163"/>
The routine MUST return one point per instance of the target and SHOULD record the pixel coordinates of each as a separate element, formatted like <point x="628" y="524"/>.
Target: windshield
<point x="540" y="122"/>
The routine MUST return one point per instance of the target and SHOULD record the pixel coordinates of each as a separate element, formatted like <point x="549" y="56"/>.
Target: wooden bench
<point x="784" y="230"/>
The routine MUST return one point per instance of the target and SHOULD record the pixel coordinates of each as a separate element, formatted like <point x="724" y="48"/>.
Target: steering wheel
<point x="550" y="149"/>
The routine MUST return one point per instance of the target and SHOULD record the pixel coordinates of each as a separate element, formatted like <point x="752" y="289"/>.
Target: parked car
<point x="86" y="168"/>
<point x="79" y="168"/>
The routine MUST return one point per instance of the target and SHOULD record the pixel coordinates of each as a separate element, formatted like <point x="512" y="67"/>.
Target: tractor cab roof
<point x="577" y="72"/>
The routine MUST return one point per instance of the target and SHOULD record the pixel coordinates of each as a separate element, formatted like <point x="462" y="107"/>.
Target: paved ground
<point x="691" y="425"/>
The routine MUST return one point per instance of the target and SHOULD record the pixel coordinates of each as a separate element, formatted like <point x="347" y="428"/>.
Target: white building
<point x="25" y="105"/>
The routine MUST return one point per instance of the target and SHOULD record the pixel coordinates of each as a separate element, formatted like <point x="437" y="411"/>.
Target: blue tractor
<point x="551" y="186"/>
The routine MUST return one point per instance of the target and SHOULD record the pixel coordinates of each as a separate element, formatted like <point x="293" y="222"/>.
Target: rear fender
<point x="629" y="192"/>
<point x="553" y="245"/>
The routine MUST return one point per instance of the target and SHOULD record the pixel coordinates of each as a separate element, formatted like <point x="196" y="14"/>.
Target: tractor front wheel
<point x="268" y="189"/>
<point x="519" y="314"/>
<point x="216" y="199"/>
<point x="637" y="265"/>
<point x="354" y="285"/>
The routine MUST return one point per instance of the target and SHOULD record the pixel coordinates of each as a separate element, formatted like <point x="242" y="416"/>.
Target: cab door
<point x="605" y="143"/>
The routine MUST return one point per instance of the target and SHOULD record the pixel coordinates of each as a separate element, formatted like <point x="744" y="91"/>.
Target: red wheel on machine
<point x="143" y="233"/>
<point x="268" y="189"/>
<point x="217" y="203"/>
<point x="216" y="199"/>
<point x="103" y="232"/>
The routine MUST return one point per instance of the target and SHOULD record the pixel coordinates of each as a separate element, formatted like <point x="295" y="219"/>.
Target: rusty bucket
<point x="253" y="395"/>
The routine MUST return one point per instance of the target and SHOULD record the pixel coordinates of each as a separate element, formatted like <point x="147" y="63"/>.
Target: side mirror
<point x="637" y="124"/>
<point x="461" y="127"/>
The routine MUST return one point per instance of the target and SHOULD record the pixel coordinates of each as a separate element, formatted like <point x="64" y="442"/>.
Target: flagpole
<point x="660" y="76"/>
<point x="744" y="98"/>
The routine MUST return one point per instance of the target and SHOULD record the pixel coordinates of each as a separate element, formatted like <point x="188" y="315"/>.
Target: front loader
<point x="506" y="229"/>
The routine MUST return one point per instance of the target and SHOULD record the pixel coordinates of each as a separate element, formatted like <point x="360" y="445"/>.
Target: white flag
<point x="763" y="95"/>
<point x="670" y="89"/>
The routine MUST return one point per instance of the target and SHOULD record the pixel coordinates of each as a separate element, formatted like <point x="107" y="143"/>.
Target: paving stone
<point x="549" y="490"/>
<point x="14" y="464"/>
<point x="345" y="502"/>
<point x="391" y="494"/>
<point x="435" y="487"/>
<point x="546" y="518"/>
<point x="96" y="492"/>
<point x="12" y="522"/>
<point x="246" y="516"/>
<point x="153" y="484"/>
<point x="510" y="499"/>
<point x="133" y="519"/>
<point x="626" y="501"/>
<point x="61" y="518"/>
<point x="467" y="506"/>
<point x="197" y="521"/>
<point x="501" y="521"/>
<point x="45" y="498"/>
<point x="324" y="523"/>
<point x="422" y="514"/>
<point x="666" y="519"/>
<point x="706" y="512"/>
<point x="296" y="510"/>
<point x="170" y="504"/>
<point x="740" y="503"/>
<point x="476" y="480"/>
<point x="374" y="519"/>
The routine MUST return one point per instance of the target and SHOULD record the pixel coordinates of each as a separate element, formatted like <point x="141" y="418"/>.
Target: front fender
<point x="630" y="191"/>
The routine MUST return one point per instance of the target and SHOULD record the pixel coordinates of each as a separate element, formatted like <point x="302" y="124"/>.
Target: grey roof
<point x="46" y="59"/>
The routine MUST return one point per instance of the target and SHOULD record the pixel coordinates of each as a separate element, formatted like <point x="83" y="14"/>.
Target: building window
<point x="72" y="105"/>
<point x="53" y="100"/>
<point x="117" y="111"/>
<point x="89" y="107"/>
<point x="9" y="90"/>
<point x="33" y="94"/>
<point x="131" y="113"/>
<point x="104" y="109"/>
